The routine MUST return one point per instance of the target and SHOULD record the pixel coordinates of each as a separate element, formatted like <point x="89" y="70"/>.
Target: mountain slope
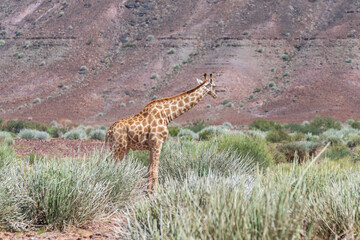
<point x="135" y="50"/>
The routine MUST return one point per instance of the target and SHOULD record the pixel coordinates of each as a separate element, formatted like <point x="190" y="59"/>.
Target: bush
<point x="356" y="125"/>
<point x="355" y="156"/>
<point x="338" y="152"/>
<point x="173" y="131"/>
<point x="300" y="151"/>
<point x="225" y="101"/>
<point x="354" y="141"/>
<point x="197" y="125"/>
<point x="212" y="131"/>
<point x="272" y="84"/>
<point x="33" y="134"/>
<point x="277" y="135"/>
<point x="2" y="42"/>
<point x="6" y="138"/>
<point x="171" y="51"/>
<point x="149" y="37"/>
<point x="252" y="147"/>
<point x="285" y="57"/>
<point x="187" y="134"/>
<point x="98" y="134"/>
<point x="229" y="104"/>
<point x="74" y="134"/>
<point x="37" y="100"/>
<point x="154" y="76"/>
<point x="264" y="125"/>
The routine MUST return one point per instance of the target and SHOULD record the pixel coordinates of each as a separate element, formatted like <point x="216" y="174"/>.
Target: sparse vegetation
<point x="33" y="134"/>
<point x="83" y="68"/>
<point x="37" y="100"/>
<point x="154" y="76"/>
<point x="149" y="37"/>
<point x="285" y="56"/>
<point x="171" y="51"/>
<point x="225" y="101"/>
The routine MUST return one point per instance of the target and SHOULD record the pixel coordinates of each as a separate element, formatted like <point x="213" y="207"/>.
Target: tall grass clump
<point x="304" y="202"/>
<point x="178" y="159"/>
<point x="60" y="192"/>
<point x="76" y="133"/>
<point x="6" y="138"/>
<point x="254" y="147"/>
<point x="33" y="134"/>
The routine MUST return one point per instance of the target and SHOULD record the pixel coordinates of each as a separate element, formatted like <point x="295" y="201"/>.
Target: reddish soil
<point x="56" y="147"/>
<point x="98" y="230"/>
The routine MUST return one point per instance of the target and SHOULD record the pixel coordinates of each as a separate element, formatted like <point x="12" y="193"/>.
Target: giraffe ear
<point x="199" y="81"/>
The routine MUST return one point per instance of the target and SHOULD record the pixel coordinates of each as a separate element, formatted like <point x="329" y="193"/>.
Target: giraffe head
<point x="209" y="85"/>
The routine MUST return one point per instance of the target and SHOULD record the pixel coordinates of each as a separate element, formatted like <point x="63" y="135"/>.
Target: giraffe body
<point x="147" y="130"/>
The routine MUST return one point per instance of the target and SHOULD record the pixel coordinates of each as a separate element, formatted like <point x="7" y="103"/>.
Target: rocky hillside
<point x="98" y="61"/>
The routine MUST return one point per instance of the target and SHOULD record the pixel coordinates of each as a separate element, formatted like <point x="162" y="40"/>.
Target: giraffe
<point x="147" y="130"/>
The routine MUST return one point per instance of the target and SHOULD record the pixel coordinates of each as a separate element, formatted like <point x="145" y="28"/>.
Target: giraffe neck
<point x="176" y="106"/>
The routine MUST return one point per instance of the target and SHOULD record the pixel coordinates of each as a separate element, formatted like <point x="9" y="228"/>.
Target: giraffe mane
<point x="178" y="95"/>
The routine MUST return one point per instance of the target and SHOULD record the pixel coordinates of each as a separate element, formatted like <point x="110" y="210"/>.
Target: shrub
<point x="348" y="60"/>
<point x="277" y="135"/>
<point x="300" y="151"/>
<point x="251" y="96"/>
<point x="229" y="104"/>
<point x="13" y="126"/>
<point x="176" y="66"/>
<point x="225" y="101"/>
<point x="197" y="125"/>
<point x="123" y="105"/>
<point x="154" y="76"/>
<point x="42" y="63"/>
<point x="187" y="134"/>
<point x="228" y="125"/>
<point x="36" y="100"/>
<point x="355" y="156"/>
<point x="350" y="121"/>
<point x="131" y="101"/>
<point x="285" y="57"/>
<point x="6" y="138"/>
<point x="355" y="124"/>
<point x="149" y="37"/>
<point x="173" y="131"/>
<point x="337" y="152"/>
<point x="298" y="136"/>
<point x="2" y="42"/>
<point x="98" y="134"/>
<point x="208" y="105"/>
<point x="74" y="134"/>
<point x="33" y="134"/>
<point x="353" y="141"/>
<point x="3" y="32"/>
<point x="100" y="114"/>
<point x="252" y="147"/>
<point x="70" y="27"/>
<point x="83" y="68"/>
<point x="272" y="84"/>
<point x="212" y="131"/>
<point x="264" y="125"/>
<point x="171" y="51"/>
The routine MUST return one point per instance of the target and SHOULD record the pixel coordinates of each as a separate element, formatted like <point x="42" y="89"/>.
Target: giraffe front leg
<point x="153" y="170"/>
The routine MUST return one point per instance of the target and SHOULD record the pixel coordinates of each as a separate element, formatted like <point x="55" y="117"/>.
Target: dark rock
<point x="132" y="5"/>
<point x="123" y="38"/>
<point x="127" y="93"/>
<point x="88" y="5"/>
